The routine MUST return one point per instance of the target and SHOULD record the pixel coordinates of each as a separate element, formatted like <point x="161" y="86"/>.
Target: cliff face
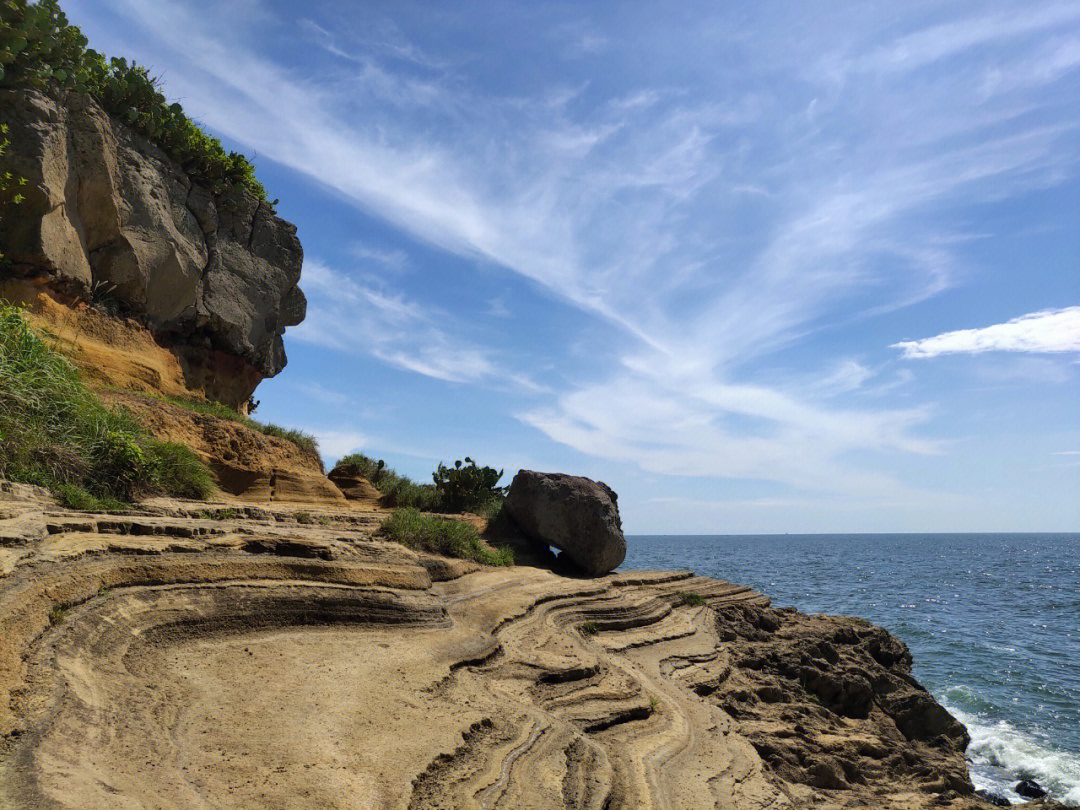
<point x="109" y="217"/>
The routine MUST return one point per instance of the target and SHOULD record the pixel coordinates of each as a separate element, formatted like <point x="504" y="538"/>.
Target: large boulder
<point x="107" y="215"/>
<point x="577" y="515"/>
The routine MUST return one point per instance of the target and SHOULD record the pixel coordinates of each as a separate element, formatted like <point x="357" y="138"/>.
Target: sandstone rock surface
<point x="108" y="216"/>
<point x="215" y="655"/>
<point x="244" y="462"/>
<point x="576" y="515"/>
<point x="354" y="486"/>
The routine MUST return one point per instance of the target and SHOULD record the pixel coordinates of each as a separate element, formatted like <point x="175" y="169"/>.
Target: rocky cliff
<point x="109" y="218"/>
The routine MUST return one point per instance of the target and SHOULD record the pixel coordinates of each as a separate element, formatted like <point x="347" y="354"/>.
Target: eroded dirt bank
<point x="241" y="656"/>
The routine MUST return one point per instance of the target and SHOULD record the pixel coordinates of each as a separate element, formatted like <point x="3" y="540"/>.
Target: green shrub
<point x="40" y="49"/>
<point x="56" y="433"/>
<point x="380" y="476"/>
<point x="691" y="599"/>
<point x="10" y="185"/>
<point x="467" y="487"/>
<point x="590" y="629"/>
<point x="451" y="538"/>
<point x="406" y="493"/>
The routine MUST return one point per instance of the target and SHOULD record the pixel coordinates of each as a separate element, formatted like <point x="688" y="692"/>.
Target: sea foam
<point x="1001" y="755"/>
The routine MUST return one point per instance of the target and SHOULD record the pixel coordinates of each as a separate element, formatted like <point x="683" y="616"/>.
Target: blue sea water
<point x="993" y="623"/>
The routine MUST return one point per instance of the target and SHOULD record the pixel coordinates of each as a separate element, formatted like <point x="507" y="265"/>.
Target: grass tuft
<point x="691" y="599"/>
<point x="589" y="629"/>
<point x="451" y="538"/>
<point x="75" y="497"/>
<point x="56" y="433"/>
<point x="57" y="614"/>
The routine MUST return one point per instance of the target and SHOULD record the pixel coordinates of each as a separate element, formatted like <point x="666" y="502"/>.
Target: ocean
<point x="992" y="620"/>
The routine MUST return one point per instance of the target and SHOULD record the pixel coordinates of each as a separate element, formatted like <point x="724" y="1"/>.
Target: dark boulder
<point x="995" y="799"/>
<point x="576" y="515"/>
<point x="1029" y="789"/>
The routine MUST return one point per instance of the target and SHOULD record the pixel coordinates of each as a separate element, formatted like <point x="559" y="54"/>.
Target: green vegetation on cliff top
<point x="39" y="48"/>
<point x="55" y="433"/>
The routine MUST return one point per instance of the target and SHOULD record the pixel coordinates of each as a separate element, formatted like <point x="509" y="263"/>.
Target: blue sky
<point x="761" y="267"/>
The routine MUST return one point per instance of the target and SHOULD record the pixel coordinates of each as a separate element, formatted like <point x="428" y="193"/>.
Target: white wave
<point x="1001" y="755"/>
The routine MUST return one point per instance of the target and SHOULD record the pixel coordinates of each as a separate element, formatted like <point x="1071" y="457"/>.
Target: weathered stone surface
<point x="108" y="214"/>
<point x="533" y="690"/>
<point x="354" y="486"/>
<point x="244" y="462"/>
<point x="795" y="679"/>
<point x="576" y="515"/>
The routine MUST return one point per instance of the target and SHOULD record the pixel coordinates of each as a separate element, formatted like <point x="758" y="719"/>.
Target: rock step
<point x="623" y="614"/>
<point x="19" y="525"/>
<point x="132" y="526"/>
<point x="702" y="674"/>
<point x="676" y="625"/>
<point x="632" y="578"/>
<point x="715" y="591"/>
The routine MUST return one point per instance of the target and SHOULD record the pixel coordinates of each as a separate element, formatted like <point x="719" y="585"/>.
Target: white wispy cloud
<point x="1049" y="331"/>
<point x="333" y="444"/>
<point x="387" y="259"/>
<point x="350" y="316"/>
<point x="320" y="392"/>
<point x="711" y="223"/>
<point x="848" y="375"/>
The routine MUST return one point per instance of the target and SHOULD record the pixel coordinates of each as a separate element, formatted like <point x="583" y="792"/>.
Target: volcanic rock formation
<point x="109" y="217"/>
<point x="576" y="515"/>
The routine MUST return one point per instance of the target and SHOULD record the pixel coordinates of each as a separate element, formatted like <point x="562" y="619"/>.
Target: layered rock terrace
<point x="232" y="655"/>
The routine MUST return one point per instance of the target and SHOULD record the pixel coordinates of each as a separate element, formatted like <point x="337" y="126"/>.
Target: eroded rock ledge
<point x="224" y="656"/>
<point x="109" y="217"/>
